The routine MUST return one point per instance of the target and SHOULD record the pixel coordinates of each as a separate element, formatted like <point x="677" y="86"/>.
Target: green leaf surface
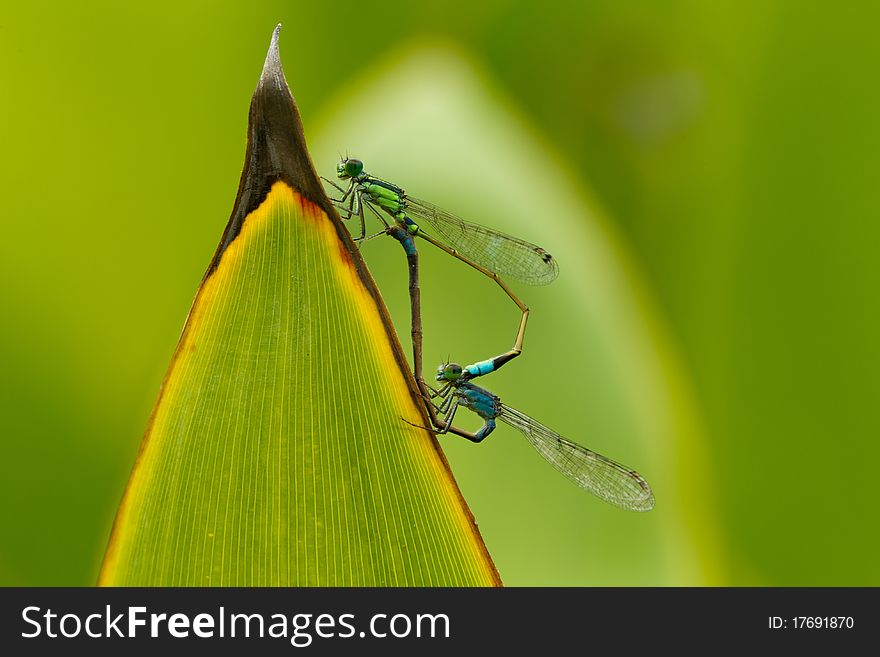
<point x="277" y="453"/>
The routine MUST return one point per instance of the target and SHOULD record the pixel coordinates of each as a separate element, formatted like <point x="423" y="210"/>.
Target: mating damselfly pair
<point x="494" y="254"/>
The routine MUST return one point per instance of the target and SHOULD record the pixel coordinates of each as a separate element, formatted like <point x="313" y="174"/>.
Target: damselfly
<point x="490" y="252"/>
<point x="593" y="472"/>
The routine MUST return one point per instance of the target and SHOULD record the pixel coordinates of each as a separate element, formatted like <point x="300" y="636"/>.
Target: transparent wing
<point x="503" y="254"/>
<point x="601" y="476"/>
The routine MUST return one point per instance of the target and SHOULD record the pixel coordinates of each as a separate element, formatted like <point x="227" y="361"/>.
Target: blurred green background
<point x="702" y="171"/>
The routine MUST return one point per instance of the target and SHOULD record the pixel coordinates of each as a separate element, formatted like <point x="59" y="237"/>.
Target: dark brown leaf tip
<point x="276" y="149"/>
<point x="272" y="70"/>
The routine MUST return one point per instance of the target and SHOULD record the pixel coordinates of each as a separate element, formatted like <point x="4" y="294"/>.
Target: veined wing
<point x="500" y="253"/>
<point x="601" y="476"/>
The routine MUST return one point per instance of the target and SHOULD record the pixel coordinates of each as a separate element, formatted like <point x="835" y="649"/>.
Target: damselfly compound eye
<point x="354" y="167"/>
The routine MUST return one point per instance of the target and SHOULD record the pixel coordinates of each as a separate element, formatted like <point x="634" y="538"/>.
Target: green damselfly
<point x="593" y="472"/>
<point x="490" y="252"/>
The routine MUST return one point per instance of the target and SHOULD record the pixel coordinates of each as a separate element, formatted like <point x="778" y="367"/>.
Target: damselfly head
<point x="349" y="167"/>
<point x="449" y="372"/>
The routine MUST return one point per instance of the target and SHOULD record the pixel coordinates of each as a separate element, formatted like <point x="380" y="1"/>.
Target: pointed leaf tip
<point x="276" y="151"/>
<point x="272" y="67"/>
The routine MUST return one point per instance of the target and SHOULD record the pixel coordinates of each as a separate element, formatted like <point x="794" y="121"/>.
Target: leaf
<point x="277" y="453"/>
